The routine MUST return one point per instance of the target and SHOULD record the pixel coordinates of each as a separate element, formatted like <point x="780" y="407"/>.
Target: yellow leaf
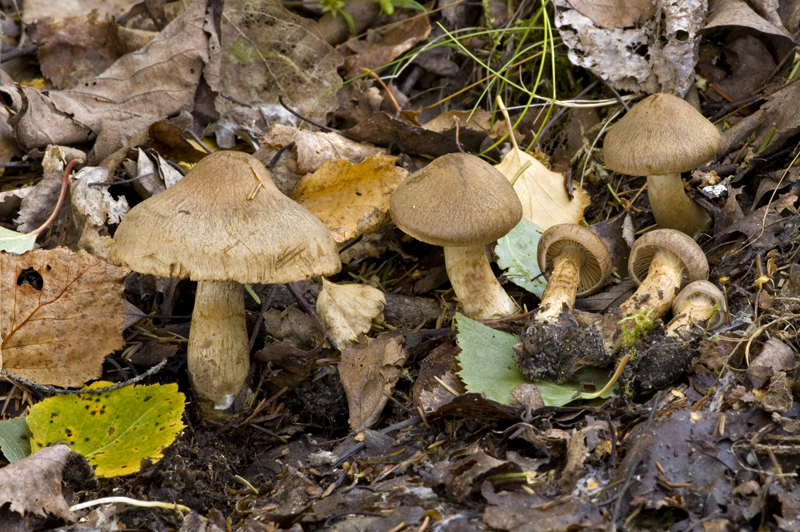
<point x="542" y="192"/>
<point x="347" y="310"/>
<point x="351" y="199"/>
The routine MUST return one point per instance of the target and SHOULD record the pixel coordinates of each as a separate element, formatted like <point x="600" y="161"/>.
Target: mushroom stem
<point x="671" y="207"/>
<point x="475" y="284"/>
<point x="218" y="356"/>
<point x="562" y="284"/>
<point x="655" y="295"/>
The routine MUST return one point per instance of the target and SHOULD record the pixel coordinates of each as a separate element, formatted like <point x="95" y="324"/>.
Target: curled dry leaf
<point x="58" y="332"/>
<point x="542" y="192"/>
<point x="313" y="149"/>
<point x="369" y="371"/>
<point x="33" y="485"/>
<point x="122" y="102"/>
<point x="93" y="208"/>
<point x="348" y="310"/>
<point x="351" y="199"/>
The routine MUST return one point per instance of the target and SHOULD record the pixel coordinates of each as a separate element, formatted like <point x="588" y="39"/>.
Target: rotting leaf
<point x="59" y="333"/>
<point x="122" y="102"/>
<point x="542" y="192"/>
<point x="400" y="39"/>
<point x="33" y="485"/>
<point x="348" y="310"/>
<point x="369" y="371"/>
<point x="616" y="13"/>
<point x="114" y="430"/>
<point x="351" y="199"/>
<point x="268" y="51"/>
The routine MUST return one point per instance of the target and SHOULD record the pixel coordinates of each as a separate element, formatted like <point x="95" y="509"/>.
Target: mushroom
<point x="660" y="263"/>
<point x="700" y="303"/>
<point x="462" y="203"/>
<point x="552" y="344"/>
<point x="223" y="224"/>
<point x="661" y="137"/>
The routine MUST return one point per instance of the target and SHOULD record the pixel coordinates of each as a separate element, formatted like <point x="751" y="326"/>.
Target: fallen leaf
<point x="369" y="371"/>
<point x="351" y="199"/>
<point x="114" y="430"/>
<point x="517" y="254"/>
<point x="60" y="332"/>
<point x="33" y="485"/>
<point x="122" y="102"/>
<point x="15" y="438"/>
<point x="542" y="192"/>
<point x="313" y="149"/>
<point x="268" y="51"/>
<point x="610" y="14"/>
<point x="16" y="243"/>
<point x="38" y="9"/>
<point x="93" y="208"/>
<point x="348" y="310"/>
<point x="374" y="55"/>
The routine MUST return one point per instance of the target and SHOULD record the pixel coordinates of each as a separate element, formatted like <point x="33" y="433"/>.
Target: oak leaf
<point x="58" y="329"/>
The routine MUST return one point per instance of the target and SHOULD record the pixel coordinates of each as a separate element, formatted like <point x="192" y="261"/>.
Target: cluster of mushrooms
<point x="226" y="223"/>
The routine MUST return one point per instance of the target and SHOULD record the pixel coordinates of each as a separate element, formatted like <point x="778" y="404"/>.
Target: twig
<point x="360" y="445"/>
<point x="54" y="390"/>
<point x="311" y="312"/>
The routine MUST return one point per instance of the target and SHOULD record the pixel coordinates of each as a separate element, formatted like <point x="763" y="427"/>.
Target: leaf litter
<point x="422" y="447"/>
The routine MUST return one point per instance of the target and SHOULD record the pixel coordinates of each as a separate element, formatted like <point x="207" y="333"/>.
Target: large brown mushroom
<point x="223" y="224"/>
<point x="660" y="137"/>
<point x="577" y="264"/>
<point x="462" y="203"/>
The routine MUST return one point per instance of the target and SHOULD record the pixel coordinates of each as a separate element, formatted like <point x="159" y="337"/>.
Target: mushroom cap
<point x="457" y="200"/>
<point x="695" y="265"/>
<point x="205" y="228"/>
<point x="596" y="267"/>
<point x="706" y="292"/>
<point x="662" y="134"/>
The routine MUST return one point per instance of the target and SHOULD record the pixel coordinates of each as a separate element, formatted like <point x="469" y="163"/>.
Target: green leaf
<point x="15" y="242"/>
<point x="15" y="439"/>
<point x="516" y="252"/>
<point x="487" y="360"/>
<point x="114" y="430"/>
<point x="488" y="367"/>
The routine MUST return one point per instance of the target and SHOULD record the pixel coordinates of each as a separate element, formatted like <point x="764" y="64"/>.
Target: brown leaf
<point x="612" y="14"/>
<point x="348" y="310"/>
<point x="122" y="102"/>
<point x="60" y="332"/>
<point x="33" y="485"/>
<point x="351" y="199"/>
<point x="373" y="56"/>
<point x="76" y="49"/>
<point x="369" y="371"/>
<point x="268" y="51"/>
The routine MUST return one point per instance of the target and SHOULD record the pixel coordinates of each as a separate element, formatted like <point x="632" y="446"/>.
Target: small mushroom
<point x="462" y="203"/>
<point x="223" y="224"/>
<point x="700" y="303"/>
<point x="660" y="137"/>
<point x="553" y="344"/>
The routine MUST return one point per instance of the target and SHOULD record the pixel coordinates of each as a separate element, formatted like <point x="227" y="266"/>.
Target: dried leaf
<point x="351" y="199"/>
<point x="348" y="310"/>
<point x="313" y="149"/>
<point x="369" y="371"/>
<point x="59" y="333"/>
<point x="612" y="14"/>
<point x="542" y="192"/>
<point x="400" y="39"/>
<point x="39" y="9"/>
<point x="121" y="103"/>
<point x="33" y="485"/>
<point x="268" y="51"/>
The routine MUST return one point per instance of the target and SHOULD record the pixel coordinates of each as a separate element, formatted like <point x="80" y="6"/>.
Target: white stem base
<point x="218" y="355"/>
<point x="475" y="284"/>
